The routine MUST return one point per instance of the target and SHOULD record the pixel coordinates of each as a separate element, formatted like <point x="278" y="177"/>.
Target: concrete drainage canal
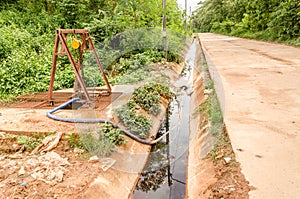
<point x="164" y="175"/>
<point x="174" y="167"/>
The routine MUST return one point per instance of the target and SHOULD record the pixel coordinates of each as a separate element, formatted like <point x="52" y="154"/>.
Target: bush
<point x="115" y="135"/>
<point x="97" y="144"/>
<point x="26" y="47"/>
<point x="148" y="96"/>
<point x="136" y="124"/>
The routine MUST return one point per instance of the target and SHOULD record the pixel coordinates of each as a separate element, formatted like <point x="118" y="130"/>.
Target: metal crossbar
<point x="86" y="44"/>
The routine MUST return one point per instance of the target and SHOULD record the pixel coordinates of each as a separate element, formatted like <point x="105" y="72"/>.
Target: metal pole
<point x="168" y="145"/>
<point x="54" y="59"/>
<point x="164" y="32"/>
<point x="185" y="20"/>
<point x="77" y="74"/>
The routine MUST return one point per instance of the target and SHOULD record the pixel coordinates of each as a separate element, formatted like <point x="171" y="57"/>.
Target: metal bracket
<point x="87" y="44"/>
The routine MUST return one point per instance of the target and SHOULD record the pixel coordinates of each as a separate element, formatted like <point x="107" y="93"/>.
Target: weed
<point x="29" y="142"/>
<point x="163" y="90"/>
<point x="155" y="109"/>
<point x="209" y="84"/>
<point x="148" y="96"/>
<point x="133" y="76"/>
<point x="145" y="98"/>
<point x="222" y="143"/>
<point x="115" y="135"/>
<point x="131" y="104"/>
<point x="74" y="140"/>
<point x="137" y="124"/>
<point x="205" y="66"/>
<point x="212" y="108"/>
<point x="97" y="144"/>
<point x="11" y="137"/>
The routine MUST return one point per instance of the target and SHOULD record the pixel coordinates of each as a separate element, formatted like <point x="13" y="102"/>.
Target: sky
<point x="191" y="4"/>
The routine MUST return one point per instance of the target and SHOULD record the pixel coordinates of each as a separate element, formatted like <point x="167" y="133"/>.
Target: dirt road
<point x="258" y="85"/>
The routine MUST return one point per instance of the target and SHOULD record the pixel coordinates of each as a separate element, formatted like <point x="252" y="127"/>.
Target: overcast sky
<point x="191" y="4"/>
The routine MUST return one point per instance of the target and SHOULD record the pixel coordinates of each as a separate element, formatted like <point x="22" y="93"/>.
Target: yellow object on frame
<point x="75" y="43"/>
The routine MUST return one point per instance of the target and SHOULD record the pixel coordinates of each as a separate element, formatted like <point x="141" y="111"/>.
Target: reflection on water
<point x="164" y="175"/>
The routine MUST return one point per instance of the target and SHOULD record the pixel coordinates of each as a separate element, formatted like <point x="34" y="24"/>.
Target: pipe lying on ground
<point x="98" y="120"/>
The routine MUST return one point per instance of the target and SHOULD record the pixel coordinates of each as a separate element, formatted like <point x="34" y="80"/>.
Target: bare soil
<point x="231" y="183"/>
<point x="258" y="86"/>
<point x="26" y="175"/>
<point x="213" y="171"/>
<point x="78" y="174"/>
<point x="218" y="174"/>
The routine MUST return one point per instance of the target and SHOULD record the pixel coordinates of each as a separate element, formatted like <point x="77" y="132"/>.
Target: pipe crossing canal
<point x="126" y="172"/>
<point x="164" y="175"/>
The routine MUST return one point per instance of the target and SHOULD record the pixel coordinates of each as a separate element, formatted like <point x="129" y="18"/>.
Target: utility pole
<point x="164" y="31"/>
<point x="185" y="17"/>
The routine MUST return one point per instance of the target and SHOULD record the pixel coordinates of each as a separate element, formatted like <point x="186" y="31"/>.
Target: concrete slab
<point x="258" y="87"/>
<point x="35" y="120"/>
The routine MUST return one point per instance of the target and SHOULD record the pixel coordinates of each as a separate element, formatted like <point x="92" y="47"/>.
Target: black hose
<point x="100" y="120"/>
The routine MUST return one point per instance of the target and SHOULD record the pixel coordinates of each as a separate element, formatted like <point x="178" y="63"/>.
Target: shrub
<point x="148" y="96"/>
<point x="115" y="135"/>
<point x="136" y="124"/>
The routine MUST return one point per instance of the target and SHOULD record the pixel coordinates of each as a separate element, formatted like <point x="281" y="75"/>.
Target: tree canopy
<point x="263" y="19"/>
<point x="27" y="31"/>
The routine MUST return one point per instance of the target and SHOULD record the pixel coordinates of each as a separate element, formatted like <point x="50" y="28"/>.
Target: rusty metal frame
<point x="87" y="44"/>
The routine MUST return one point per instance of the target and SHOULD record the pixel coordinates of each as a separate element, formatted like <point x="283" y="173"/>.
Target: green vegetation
<point x="147" y="97"/>
<point x="259" y="19"/>
<point x="212" y="108"/>
<point x="97" y="144"/>
<point x="135" y="66"/>
<point x="100" y="143"/>
<point x="222" y="145"/>
<point x="137" y="124"/>
<point x="27" y="30"/>
<point x="30" y="142"/>
<point x="115" y="135"/>
<point x="74" y="140"/>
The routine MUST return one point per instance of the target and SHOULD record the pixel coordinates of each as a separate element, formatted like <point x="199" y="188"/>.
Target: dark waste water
<point x="164" y="175"/>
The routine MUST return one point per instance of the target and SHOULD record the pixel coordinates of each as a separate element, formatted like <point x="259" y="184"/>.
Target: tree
<point x="266" y="19"/>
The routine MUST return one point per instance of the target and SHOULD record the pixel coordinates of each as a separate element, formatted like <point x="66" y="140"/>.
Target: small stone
<point x="207" y="91"/>
<point x="22" y="148"/>
<point x="16" y="147"/>
<point x="22" y="171"/>
<point x="79" y="151"/>
<point x="227" y="159"/>
<point x="93" y="159"/>
<point x="23" y="184"/>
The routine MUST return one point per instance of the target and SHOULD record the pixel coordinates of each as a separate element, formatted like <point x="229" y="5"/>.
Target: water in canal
<point x="164" y="175"/>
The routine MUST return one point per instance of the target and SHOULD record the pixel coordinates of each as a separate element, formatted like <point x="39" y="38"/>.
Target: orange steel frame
<point x="87" y="44"/>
